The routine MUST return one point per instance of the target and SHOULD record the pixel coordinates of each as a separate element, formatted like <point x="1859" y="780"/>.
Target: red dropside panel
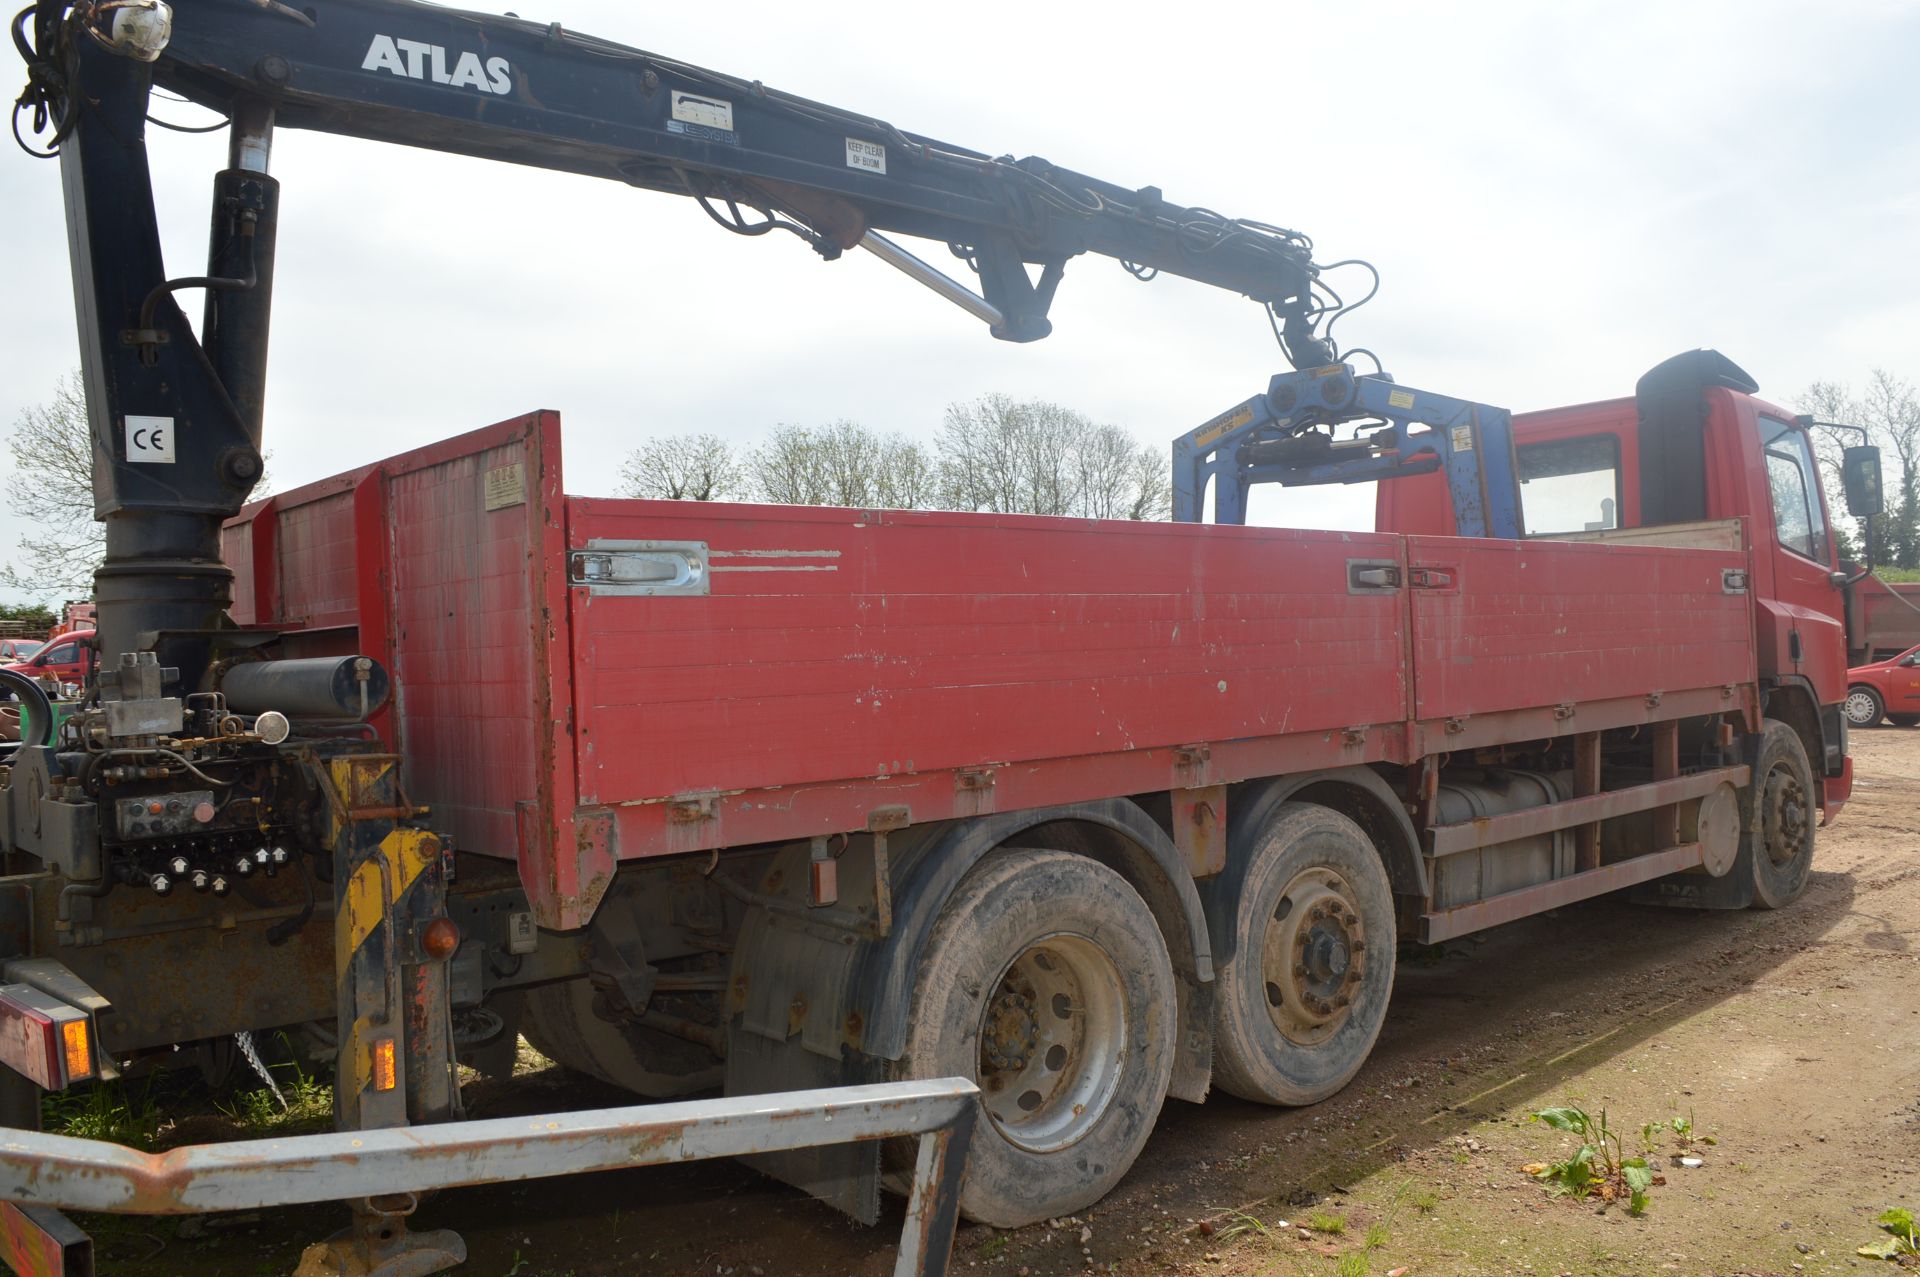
<point x="849" y="660"/>
<point x="1514" y="625"/>
<point x="448" y="565"/>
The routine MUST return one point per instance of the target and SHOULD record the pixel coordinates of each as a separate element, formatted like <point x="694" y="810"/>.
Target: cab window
<point x="1793" y="484"/>
<point x="65" y="654"/>
<point x="1570" y="485"/>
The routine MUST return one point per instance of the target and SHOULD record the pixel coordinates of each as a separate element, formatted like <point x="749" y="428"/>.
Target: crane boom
<point x="177" y="417"/>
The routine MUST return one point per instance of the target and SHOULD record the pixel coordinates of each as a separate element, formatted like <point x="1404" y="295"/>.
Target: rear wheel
<point x="1046" y="981"/>
<point x="1864" y="707"/>
<point x="1301" y="1000"/>
<point x="1781" y="812"/>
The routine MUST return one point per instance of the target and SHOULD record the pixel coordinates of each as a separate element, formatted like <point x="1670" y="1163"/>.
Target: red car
<point x="1888" y="688"/>
<point x="65" y="657"/>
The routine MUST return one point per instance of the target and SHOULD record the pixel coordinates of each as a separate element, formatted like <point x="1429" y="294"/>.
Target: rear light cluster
<point x="44" y="1039"/>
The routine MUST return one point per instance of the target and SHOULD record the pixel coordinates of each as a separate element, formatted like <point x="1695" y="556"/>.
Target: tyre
<point x="1863" y="707"/>
<point x="1299" y="1004"/>
<point x="561" y="1023"/>
<point x="1046" y="981"/>
<point x="1903" y="720"/>
<point x="1779" y="814"/>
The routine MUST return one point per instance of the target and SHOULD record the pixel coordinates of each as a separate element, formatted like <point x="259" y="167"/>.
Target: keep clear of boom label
<point x="506" y="486"/>
<point x="870" y="157"/>
<point x="150" y="440"/>
<point x="699" y="116"/>
<point x="1399" y="399"/>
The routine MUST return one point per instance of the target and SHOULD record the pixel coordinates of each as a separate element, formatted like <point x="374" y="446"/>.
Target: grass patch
<point x="120" y="1112"/>
<point x="1426" y="1201"/>
<point x="1327" y="1222"/>
<point x="1354" y="1264"/>
<point x="1377" y="1236"/>
<point x="309" y="1107"/>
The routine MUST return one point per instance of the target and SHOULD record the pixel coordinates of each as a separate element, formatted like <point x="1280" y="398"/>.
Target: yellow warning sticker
<point x="1399" y="399"/>
<point x="1221" y="425"/>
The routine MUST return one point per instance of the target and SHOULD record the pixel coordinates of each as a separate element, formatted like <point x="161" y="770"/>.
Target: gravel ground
<point x="1793" y="1040"/>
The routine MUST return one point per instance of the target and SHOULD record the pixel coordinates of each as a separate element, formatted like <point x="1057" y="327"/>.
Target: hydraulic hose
<point x="36" y="711"/>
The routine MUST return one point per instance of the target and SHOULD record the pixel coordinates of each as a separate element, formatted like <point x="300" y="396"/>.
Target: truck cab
<point x="1693" y="458"/>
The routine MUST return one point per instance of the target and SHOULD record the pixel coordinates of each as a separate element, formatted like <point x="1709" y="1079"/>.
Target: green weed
<point x="1600" y="1167"/>
<point x="1377" y="1236"/>
<point x="1243" y="1225"/>
<point x="309" y="1103"/>
<point x="1354" y="1264"/>
<point x="1426" y="1201"/>
<point x="114" y="1111"/>
<point x="1327" y="1222"/>
<point x="1901" y="1240"/>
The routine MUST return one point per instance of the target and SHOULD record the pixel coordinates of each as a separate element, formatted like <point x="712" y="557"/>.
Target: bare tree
<point x="787" y="469"/>
<point x="1893" y="413"/>
<point x="1152" y="484"/>
<point x="908" y="478"/>
<point x="843" y="464"/>
<point x="1832" y="401"/>
<point x="52" y="486"/>
<point x="1031" y="457"/>
<point x="692" y="467"/>
<point x="1889" y="409"/>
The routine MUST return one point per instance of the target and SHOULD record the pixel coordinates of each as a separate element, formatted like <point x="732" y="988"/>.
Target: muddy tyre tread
<point x="1778" y="884"/>
<point x="1011" y="900"/>
<point x="1251" y="1059"/>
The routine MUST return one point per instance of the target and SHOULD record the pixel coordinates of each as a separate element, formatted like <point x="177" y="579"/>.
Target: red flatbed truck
<point x="1068" y="815"/>
<point x="1091" y="812"/>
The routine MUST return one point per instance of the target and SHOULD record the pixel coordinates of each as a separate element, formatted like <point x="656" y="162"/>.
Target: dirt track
<point x="1793" y="1038"/>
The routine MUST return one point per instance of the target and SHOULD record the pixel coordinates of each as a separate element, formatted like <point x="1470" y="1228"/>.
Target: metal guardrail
<point x="60" y="1172"/>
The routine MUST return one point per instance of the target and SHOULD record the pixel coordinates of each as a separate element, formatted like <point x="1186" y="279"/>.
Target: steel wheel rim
<point x="1053" y="1039"/>
<point x="1786" y="815"/>
<point x="1313" y="956"/>
<point x="1860" y="709"/>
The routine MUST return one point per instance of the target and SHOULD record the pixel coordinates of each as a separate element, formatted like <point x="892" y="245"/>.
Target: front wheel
<point x="1301" y="1000"/>
<point x="1864" y="707"/>
<point x="1046" y="981"/>
<point x="1781" y="812"/>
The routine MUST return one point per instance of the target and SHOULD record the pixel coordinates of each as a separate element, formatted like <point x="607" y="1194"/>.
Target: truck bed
<point x="847" y="669"/>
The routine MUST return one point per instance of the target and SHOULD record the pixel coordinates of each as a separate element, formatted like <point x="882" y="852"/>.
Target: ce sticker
<point x="150" y="440"/>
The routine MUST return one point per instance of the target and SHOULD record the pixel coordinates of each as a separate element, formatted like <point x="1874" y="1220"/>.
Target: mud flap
<point x="1733" y="890"/>
<point x="844" y="1176"/>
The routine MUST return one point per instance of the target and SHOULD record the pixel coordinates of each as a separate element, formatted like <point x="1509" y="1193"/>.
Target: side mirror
<point x="1860" y="477"/>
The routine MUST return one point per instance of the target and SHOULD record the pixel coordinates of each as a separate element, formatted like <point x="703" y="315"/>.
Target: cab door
<point x="1804" y="601"/>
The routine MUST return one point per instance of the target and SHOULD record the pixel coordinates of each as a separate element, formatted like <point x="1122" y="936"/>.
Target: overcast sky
<point x="1557" y="196"/>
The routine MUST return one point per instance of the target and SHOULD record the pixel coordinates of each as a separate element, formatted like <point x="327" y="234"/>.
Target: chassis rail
<point x="58" y="1171"/>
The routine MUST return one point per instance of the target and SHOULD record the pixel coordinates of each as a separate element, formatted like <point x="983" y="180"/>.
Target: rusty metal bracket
<point x="1200" y="828"/>
<point x="692" y="810"/>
